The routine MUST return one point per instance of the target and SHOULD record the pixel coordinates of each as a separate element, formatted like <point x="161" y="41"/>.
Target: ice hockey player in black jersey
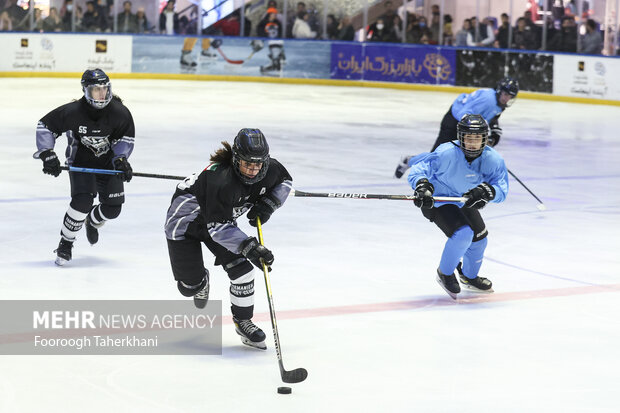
<point x="100" y="134"/>
<point x="205" y="208"/>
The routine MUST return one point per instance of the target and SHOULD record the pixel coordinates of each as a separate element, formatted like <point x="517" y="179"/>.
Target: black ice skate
<point x="92" y="230"/>
<point x="63" y="252"/>
<point x="202" y="297"/>
<point x="449" y="283"/>
<point x="250" y="334"/>
<point x="402" y="167"/>
<point x="476" y="285"/>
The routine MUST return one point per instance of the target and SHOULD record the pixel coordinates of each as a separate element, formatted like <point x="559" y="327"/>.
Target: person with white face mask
<point x="379" y="33"/>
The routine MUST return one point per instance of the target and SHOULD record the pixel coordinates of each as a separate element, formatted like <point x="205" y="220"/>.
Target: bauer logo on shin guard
<point x="344" y="195"/>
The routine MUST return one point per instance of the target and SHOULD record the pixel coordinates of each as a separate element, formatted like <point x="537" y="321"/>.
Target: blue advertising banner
<point x="232" y="56"/>
<point x="393" y="63"/>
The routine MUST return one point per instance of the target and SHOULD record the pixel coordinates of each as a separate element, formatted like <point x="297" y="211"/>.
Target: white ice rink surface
<point x="353" y="280"/>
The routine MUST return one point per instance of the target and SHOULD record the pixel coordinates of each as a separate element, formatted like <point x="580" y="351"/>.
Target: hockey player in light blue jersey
<point x="489" y="103"/>
<point x="476" y="171"/>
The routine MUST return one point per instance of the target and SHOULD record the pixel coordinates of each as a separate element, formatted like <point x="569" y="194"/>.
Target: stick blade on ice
<point x="294" y="376"/>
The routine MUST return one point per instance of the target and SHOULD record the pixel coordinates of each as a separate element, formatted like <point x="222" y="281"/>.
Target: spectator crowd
<point x="393" y="25"/>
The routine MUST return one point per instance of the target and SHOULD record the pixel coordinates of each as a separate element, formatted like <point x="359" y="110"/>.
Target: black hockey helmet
<point x="508" y="85"/>
<point x="472" y="125"/>
<point x="96" y="79"/>
<point x="251" y="146"/>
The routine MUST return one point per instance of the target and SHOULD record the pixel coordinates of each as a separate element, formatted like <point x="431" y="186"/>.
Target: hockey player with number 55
<point x="100" y="134"/>
<point x="475" y="171"/>
<point x="204" y="209"/>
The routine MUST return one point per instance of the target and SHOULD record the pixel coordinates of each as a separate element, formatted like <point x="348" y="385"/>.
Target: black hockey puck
<point x="285" y="390"/>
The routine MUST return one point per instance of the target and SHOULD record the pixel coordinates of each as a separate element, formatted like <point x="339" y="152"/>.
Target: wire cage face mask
<point x="466" y="137"/>
<point x="98" y="95"/>
<point x="469" y="129"/>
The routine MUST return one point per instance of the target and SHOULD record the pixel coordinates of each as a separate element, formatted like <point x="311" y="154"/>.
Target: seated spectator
<point x="66" y="15"/>
<point x="331" y="29"/>
<point x="18" y="15"/>
<point x="551" y="31"/>
<point x="92" y="21"/>
<point x="6" y="25"/>
<point x="271" y="26"/>
<point x="38" y="21"/>
<point x="523" y="37"/>
<point x="502" y="32"/>
<point x="448" y="35"/>
<point x="142" y="24"/>
<point x="301" y="27"/>
<point x="397" y="29"/>
<point x="591" y="42"/>
<point x="434" y="28"/>
<point x="378" y="33"/>
<point x="169" y="19"/>
<point x="104" y="9"/>
<point x="388" y="16"/>
<point x="536" y="30"/>
<point x="345" y="29"/>
<point x="290" y="22"/>
<point x="565" y="39"/>
<point x="127" y="22"/>
<point x="272" y="4"/>
<point x="413" y="33"/>
<point x="464" y="37"/>
<point x="52" y="23"/>
<point x="485" y="36"/>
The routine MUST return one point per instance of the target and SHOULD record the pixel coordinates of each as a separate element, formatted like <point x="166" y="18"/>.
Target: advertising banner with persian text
<point x="393" y="63"/>
<point x="34" y="52"/>
<point x="594" y="77"/>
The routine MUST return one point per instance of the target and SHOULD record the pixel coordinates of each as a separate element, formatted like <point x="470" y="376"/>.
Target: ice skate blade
<point x="200" y="304"/>
<point x="60" y="261"/>
<point x="473" y="289"/>
<point x="450" y="293"/>
<point x="260" y="345"/>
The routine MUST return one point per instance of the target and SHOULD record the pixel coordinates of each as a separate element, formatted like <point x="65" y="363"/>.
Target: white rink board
<point x="586" y="77"/>
<point x="353" y="280"/>
<point x="24" y="52"/>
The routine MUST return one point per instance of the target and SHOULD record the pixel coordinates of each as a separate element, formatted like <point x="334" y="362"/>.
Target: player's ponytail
<point x="223" y="155"/>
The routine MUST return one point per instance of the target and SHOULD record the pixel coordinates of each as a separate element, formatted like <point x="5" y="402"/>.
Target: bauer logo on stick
<point x="343" y="195"/>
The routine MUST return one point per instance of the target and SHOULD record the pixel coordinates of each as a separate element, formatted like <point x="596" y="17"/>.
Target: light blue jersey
<point x="451" y="175"/>
<point x="481" y="102"/>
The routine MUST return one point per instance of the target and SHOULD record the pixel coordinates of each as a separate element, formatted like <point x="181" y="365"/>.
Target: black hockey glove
<point x="121" y="164"/>
<point x="254" y="251"/>
<point x="496" y="134"/>
<point x="424" y="194"/>
<point x="263" y="209"/>
<point x="51" y="164"/>
<point x="216" y="43"/>
<point x="479" y="196"/>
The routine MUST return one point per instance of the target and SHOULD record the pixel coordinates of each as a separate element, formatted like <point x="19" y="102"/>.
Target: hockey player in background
<point x="470" y="169"/>
<point x="100" y="134"/>
<point x="205" y="208"/>
<point x="489" y="103"/>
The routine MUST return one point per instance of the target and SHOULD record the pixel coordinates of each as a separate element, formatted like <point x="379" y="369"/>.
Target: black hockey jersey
<point x="95" y="136"/>
<point x="216" y="197"/>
